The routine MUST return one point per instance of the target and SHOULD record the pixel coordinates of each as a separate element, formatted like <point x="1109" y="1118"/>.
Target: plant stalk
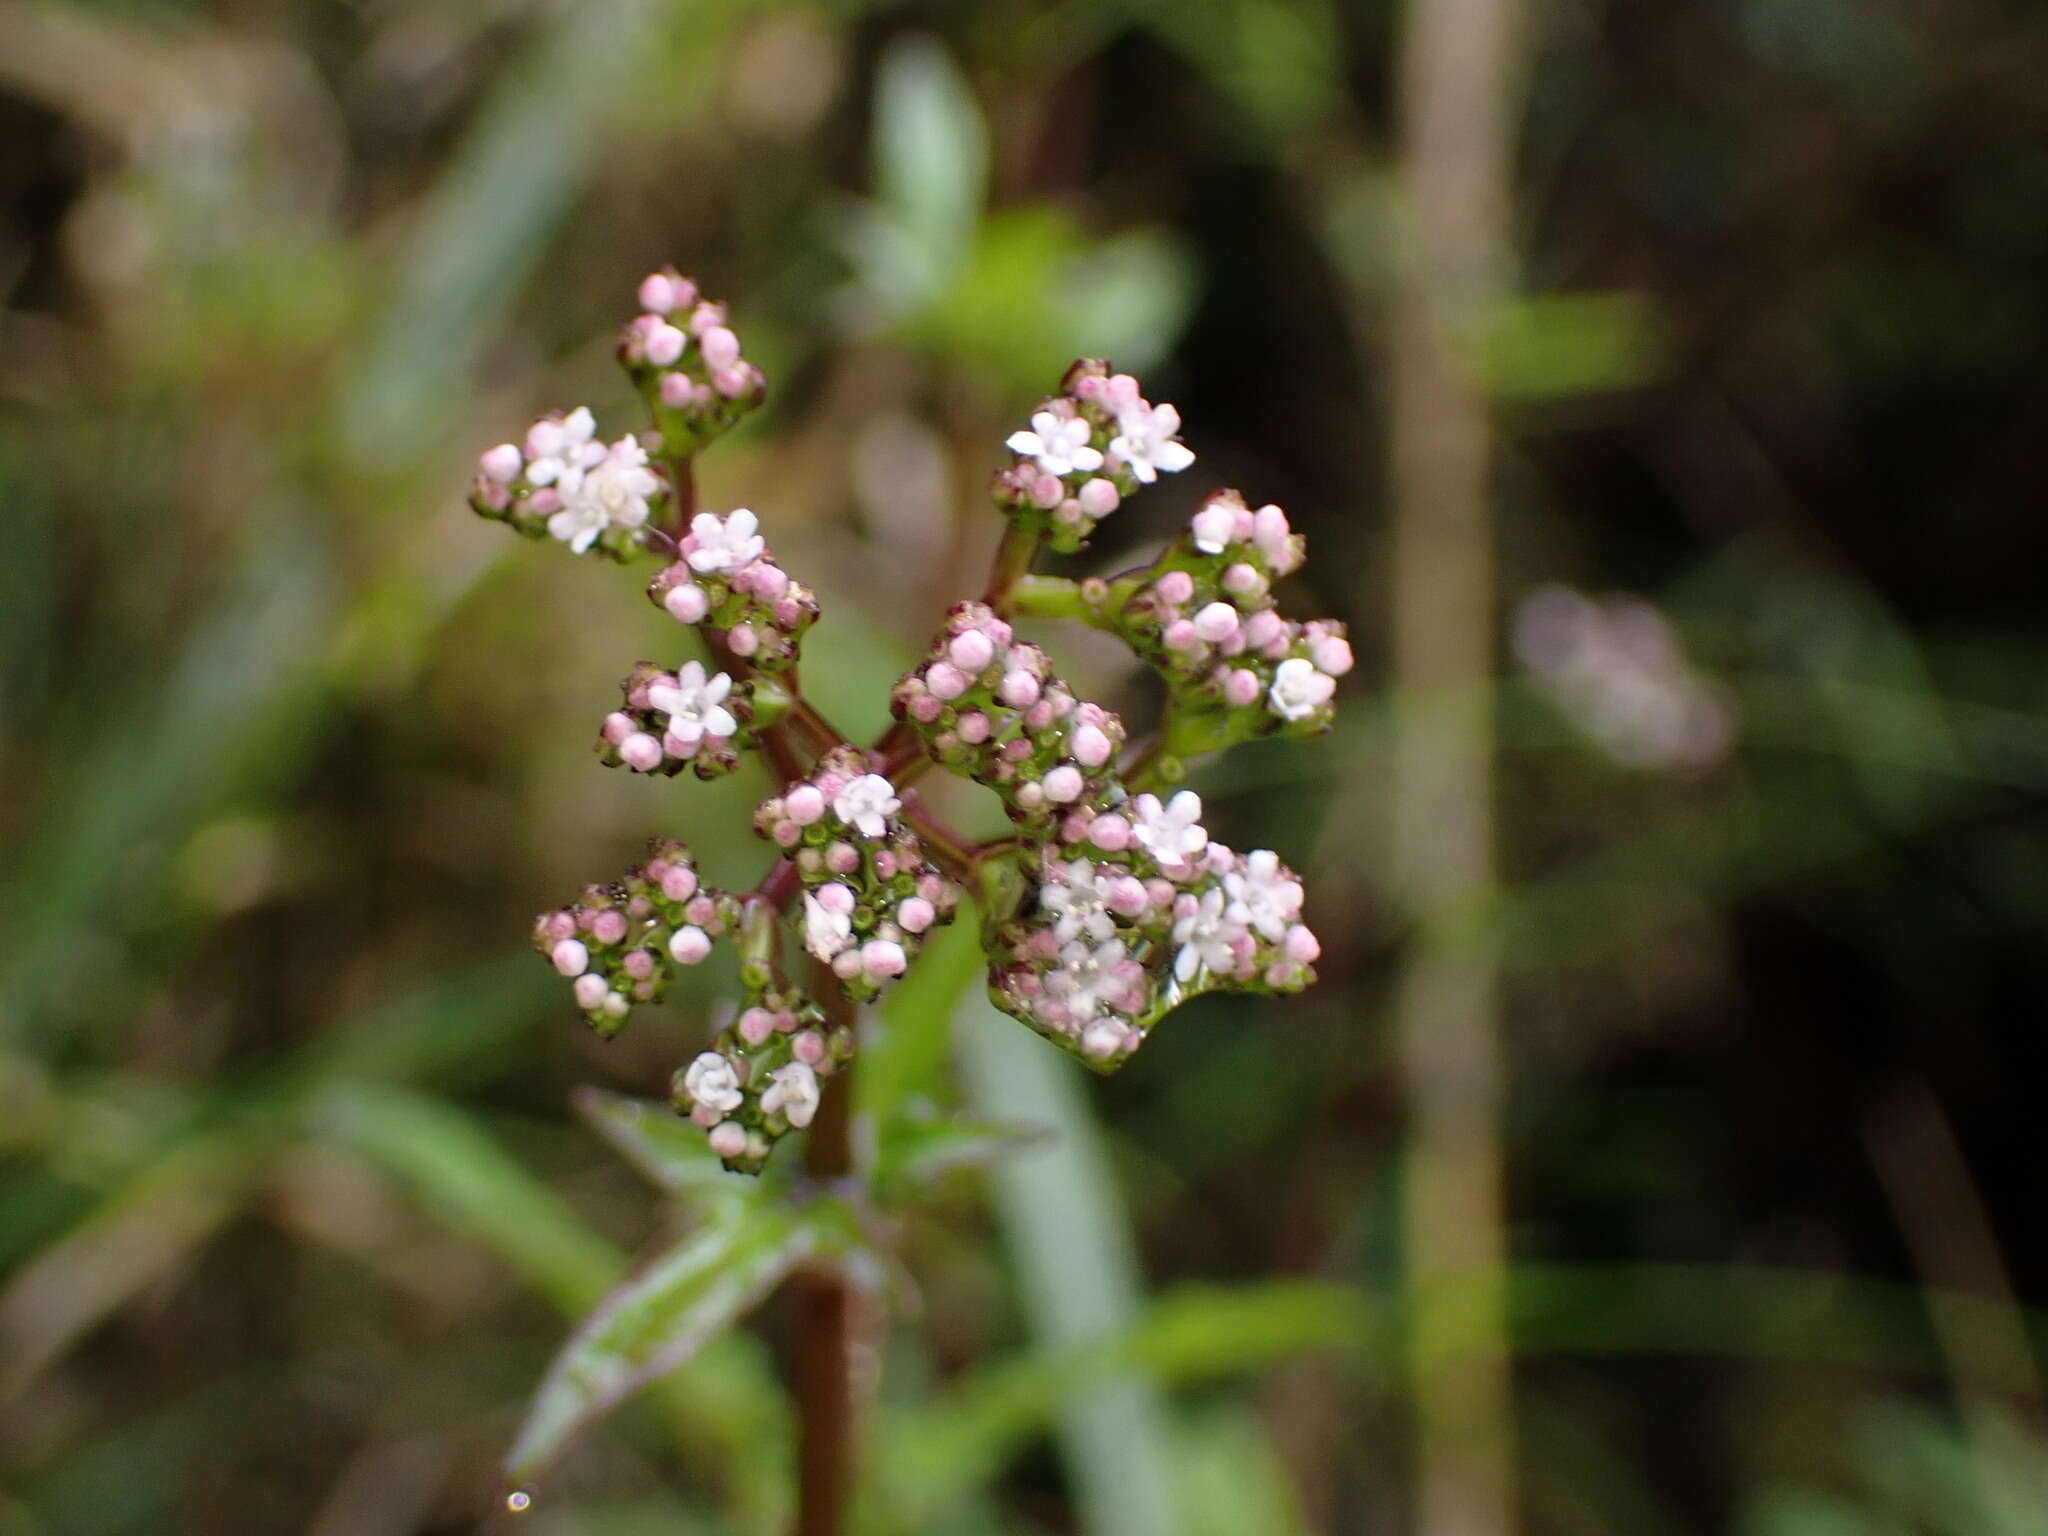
<point x="830" y="1317"/>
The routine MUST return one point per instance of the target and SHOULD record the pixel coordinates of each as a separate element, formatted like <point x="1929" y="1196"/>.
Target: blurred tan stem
<point x="1455" y="88"/>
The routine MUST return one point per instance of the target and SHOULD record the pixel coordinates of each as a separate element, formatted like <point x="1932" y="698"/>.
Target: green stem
<point x="1011" y="565"/>
<point x="1047" y="597"/>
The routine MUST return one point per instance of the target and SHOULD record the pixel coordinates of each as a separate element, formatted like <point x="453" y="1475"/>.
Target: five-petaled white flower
<point x="1299" y="690"/>
<point x="611" y="493"/>
<point x="1145" y="441"/>
<point x="1264" y="894"/>
<point x="866" y="802"/>
<point x="792" y="1092"/>
<point x="1058" y="443"/>
<point x="1173" y="833"/>
<point x="1206" y="937"/>
<point x="724" y="543"/>
<point x="1214" y="527"/>
<point x="826" y="932"/>
<point x="695" y="705"/>
<point x="1091" y="980"/>
<point x="558" y="452"/>
<point x="1078" y="901"/>
<point x="712" y="1082"/>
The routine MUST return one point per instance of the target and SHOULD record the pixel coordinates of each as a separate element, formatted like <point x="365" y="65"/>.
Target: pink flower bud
<point x="1063" y="785"/>
<point x="786" y="833"/>
<point x="842" y="858"/>
<point x="1216" y="623"/>
<point x="1112" y="834"/>
<point x="1047" y="492"/>
<point x="1242" y="580"/>
<point x="664" y="345"/>
<point x="657" y="293"/>
<point x="641" y="752"/>
<point x="971" y="650"/>
<point x="703" y="911"/>
<point x="609" y="927"/>
<point x="1270" y="530"/>
<point x="732" y="382"/>
<point x="1241" y="688"/>
<point x="679" y="882"/>
<point x="804" y="804"/>
<point x="614" y="1006"/>
<point x="590" y="991"/>
<point x="618" y="725"/>
<point x="1019" y="689"/>
<point x="1300" y="945"/>
<point x="924" y="709"/>
<point x="1262" y="628"/>
<point x="916" y="915"/>
<point x="721" y="347"/>
<point x="846" y="964"/>
<point x="570" y="957"/>
<point x="808" y="1047"/>
<point x="502" y="463"/>
<point x="1175" y="587"/>
<point x="689" y="944"/>
<point x="1214" y="527"/>
<point x="677" y="391"/>
<point x="1126" y="896"/>
<point x="771" y="581"/>
<point x="1091" y="746"/>
<point x="640" y="965"/>
<point x="944" y="680"/>
<point x="729" y="1139"/>
<point x="560" y="925"/>
<point x="835" y="898"/>
<point x="687" y="604"/>
<point x="974" y="728"/>
<point x="883" y="958"/>
<point x="741" y="640"/>
<point x="1180" y="636"/>
<point x="756" y="1025"/>
<point x="1331" y="654"/>
<point x="1098" y="497"/>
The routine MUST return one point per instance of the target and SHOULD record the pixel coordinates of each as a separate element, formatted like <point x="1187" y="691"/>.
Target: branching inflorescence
<point x="1108" y="906"/>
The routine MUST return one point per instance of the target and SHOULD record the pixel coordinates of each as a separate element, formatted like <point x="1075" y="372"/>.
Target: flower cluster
<point x="676" y="720"/>
<point x="618" y="944"/>
<point x="988" y="706"/>
<point x="565" y="482"/>
<point x="1087" y="448"/>
<point x="1108" y="946"/>
<point x="761" y="1078"/>
<point x="1617" y="671"/>
<point x="687" y="364"/>
<point x="726" y="579"/>
<point x="870" y="893"/>
<point x="1203" y="615"/>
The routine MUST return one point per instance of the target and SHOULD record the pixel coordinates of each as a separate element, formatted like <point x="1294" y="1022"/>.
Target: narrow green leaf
<point x="670" y="1150"/>
<point x="930" y="150"/>
<point x="920" y="1145"/>
<point x="662" y="1316"/>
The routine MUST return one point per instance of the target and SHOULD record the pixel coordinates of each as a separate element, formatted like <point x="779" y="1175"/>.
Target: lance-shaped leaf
<point x="921" y="1144"/>
<point x="666" y="1149"/>
<point x="661" y="1316"/>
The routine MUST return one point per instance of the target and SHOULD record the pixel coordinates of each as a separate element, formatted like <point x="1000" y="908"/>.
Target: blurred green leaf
<point x="658" y="1319"/>
<point x="930" y="154"/>
<point x="1554" y="346"/>
<point x="906" y="1056"/>
<point x="661" y="1144"/>
<point x="920" y="1145"/>
<point x="1129" y="298"/>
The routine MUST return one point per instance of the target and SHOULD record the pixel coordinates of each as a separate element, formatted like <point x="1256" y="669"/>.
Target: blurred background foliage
<point x="293" y="1209"/>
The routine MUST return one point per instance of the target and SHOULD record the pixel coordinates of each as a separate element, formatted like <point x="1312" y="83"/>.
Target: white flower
<point x="866" y="802"/>
<point x="1058" y="443"/>
<point x="1078" y="901"/>
<point x="558" y="452"/>
<point x="1090" y="980"/>
<point x="1299" y="690"/>
<point x="724" y="544"/>
<point x="792" y="1092"/>
<point x="612" y="493"/>
<point x="1264" y="895"/>
<point x="712" y="1082"/>
<point x="695" y="706"/>
<point x="1145" y="441"/>
<point x="826" y="932"/>
<point x="1172" y="833"/>
<point x="1205" y="937"/>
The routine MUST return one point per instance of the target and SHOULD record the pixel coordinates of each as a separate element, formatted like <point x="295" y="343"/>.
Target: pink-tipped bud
<point x="677" y="391"/>
<point x="1019" y="690"/>
<point x="944" y="680"/>
<point x="1331" y="654"/>
<point x="756" y="1025"/>
<point x="703" y="911"/>
<point x="1091" y="746"/>
<point x="971" y="650"/>
<point x="1126" y="896"/>
<point x="618" y="725"/>
<point x="1216" y="623"/>
<point x="1098" y="497"/>
<point x="732" y="382"/>
<point x="1180" y="636"/>
<point x="846" y="964"/>
<point x="657" y="293"/>
<point x="1300" y="945"/>
<point x="974" y="728"/>
<point x="1112" y="834"/>
<point x="804" y="804"/>
<point x="570" y="957"/>
<point x="1242" y="580"/>
<point x="721" y="347"/>
<point x="689" y="945"/>
<point x="883" y="958"/>
<point x="1270" y="530"/>
<point x="808" y="1047"/>
<point x="771" y="581"/>
<point x="1241" y="688"/>
<point x="1047" y="492"/>
<point x="615" y="1006"/>
<point x="664" y="345"/>
<point x="741" y="640"/>
<point x="842" y="858"/>
<point x="590" y="992"/>
<point x="728" y="1139"/>
<point x="1263" y="628"/>
<point x="640" y="965"/>
<point x="641" y="752"/>
<point x="1175" y="587"/>
<point x="1063" y="785"/>
<point x="502" y="463"/>
<point x="1214" y="527"/>
<point x="609" y="927"/>
<point x="687" y="604"/>
<point x="924" y="709"/>
<point x="835" y="898"/>
<point x="679" y="882"/>
<point x="916" y="915"/>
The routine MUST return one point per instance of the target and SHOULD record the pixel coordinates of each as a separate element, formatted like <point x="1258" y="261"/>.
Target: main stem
<point x="829" y="1314"/>
<point x="1455" y="89"/>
